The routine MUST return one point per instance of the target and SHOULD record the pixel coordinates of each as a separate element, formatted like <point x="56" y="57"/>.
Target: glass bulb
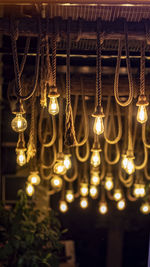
<point x="98" y="125"/>
<point x="69" y="196"/>
<point x="121" y="204"/>
<point x="136" y="190"/>
<point x="117" y="194"/>
<point x="84" y="189"/>
<point x="95" y="179"/>
<point x="142" y="190"/>
<point x="109" y="184"/>
<point x="83" y="203"/>
<point x="34" y="178"/>
<point x="142" y="114"/>
<point x="103" y="208"/>
<point x="93" y="191"/>
<point x="19" y="123"/>
<point x="67" y="162"/>
<point x="21" y="157"/>
<point x="95" y="158"/>
<point x="145" y="208"/>
<point x="63" y="206"/>
<point x="124" y="162"/>
<point x="59" y="167"/>
<point x="53" y="108"/>
<point x="130" y="168"/>
<point x="56" y="182"/>
<point x="30" y="189"/>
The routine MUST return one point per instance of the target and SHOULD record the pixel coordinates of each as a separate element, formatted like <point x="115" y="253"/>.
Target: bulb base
<point x="98" y="112"/>
<point x="142" y="101"/>
<point x="53" y="92"/>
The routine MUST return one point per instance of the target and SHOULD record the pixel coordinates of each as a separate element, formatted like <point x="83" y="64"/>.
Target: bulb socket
<point x="142" y="101"/>
<point x="98" y="112"/>
<point x="19" y="108"/>
<point x="53" y="92"/>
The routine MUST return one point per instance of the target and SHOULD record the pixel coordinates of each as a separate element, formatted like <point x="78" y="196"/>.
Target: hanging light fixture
<point x="19" y="123"/>
<point x="95" y="157"/>
<point x="63" y="206"/>
<point x="59" y="167"/>
<point x="20" y="150"/>
<point x="109" y="184"/>
<point x="95" y="178"/>
<point x="103" y="208"/>
<point x="93" y="191"/>
<point x="83" y="202"/>
<point x="34" y="178"/>
<point x="121" y="204"/>
<point x="56" y="182"/>
<point x="117" y="194"/>
<point x="67" y="161"/>
<point x="145" y="208"/>
<point x="124" y="161"/>
<point x="84" y="189"/>
<point x="69" y="195"/>
<point x="29" y="189"/>
<point x="130" y="167"/>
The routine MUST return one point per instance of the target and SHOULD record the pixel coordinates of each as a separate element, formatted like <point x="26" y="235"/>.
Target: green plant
<point x="26" y="237"/>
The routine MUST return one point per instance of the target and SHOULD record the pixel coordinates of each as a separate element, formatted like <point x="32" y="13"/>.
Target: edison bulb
<point x="130" y="168"/>
<point x="98" y="125"/>
<point x="117" y="194"/>
<point x="145" y="208"/>
<point x="30" y="189"/>
<point x="34" y="178"/>
<point x="124" y="162"/>
<point x="109" y="184"/>
<point x="83" y="203"/>
<point x="59" y="167"/>
<point x="142" y="114"/>
<point x="121" y="204"/>
<point x="93" y="191"/>
<point x="69" y="196"/>
<point x="21" y="157"/>
<point x="67" y="162"/>
<point x="63" y="206"/>
<point x="136" y="190"/>
<point x="95" y="158"/>
<point x="142" y="190"/>
<point x="95" y="179"/>
<point x="53" y="108"/>
<point x="84" y="189"/>
<point x="103" y="208"/>
<point x="56" y="182"/>
<point x="19" y="123"/>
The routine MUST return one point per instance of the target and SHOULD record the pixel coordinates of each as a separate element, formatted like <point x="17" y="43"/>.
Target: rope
<point x="147" y="176"/>
<point x="99" y="68"/>
<point x="54" y="58"/>
<point x="130" y="144"/>
<point x="74" y="176"/>
<point x="143" y="164"/>
<point x="142" y="69"/>
<point x="127" y="182"/>
<point x="87" y="152"/>
<point x="144" y="136"/>
<point x="129" y="196"/>
<point x="43" y="100"/>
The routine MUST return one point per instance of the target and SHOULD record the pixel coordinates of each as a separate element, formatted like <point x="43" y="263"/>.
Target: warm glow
<point x="56" y="182"/>
<point x="95" y="158"/>
<point x="98" y="125"/>
<point x="59" y="167"/>
<point x="130" y="168"/>
<point x="142" y="190"/>
<point x="19" y="123"/>
<point x="93" y="191"/>
<point x="124" y="162"/>
<point x="121" y="204"/>
<point x="103" y="208"/>
<point x="53" y="108"/>
<point x="63" y="206"/>
<point x="139" y="190"/>
<point x="21" y="157"/>
<point x="145" y="208"/>
<point x="69" y="196"/>
<point x="67" y="162"/>
<point x="34" y="178"/>
<point x="29" y="189"/>
<point x="109" y="184"/>
<point x="83" y="203"/>
<point x="142" y="114"/>
<point x="95" y="179"/>
<point x="117" y="194"/>
<point x="84" y="189"/>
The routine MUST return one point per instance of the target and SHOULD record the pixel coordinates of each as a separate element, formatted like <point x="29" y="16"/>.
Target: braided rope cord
<point x="142" y="69"/>
<point x="126" y="181"/>
<point x="129" y="196"/>
<point x="147" y="176"/>
<point x="99" y="69"/>
<point x="75" y="174"/>
<point x="130" y="144"/>
<point x="43" y="100"/>
<point x="144" y="136"/>
<point x="54" y="58"/>
<point x="60" y="127"/>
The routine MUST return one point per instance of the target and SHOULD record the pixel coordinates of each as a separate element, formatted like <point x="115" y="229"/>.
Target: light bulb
<point x="30" y="189"/>
<point x="84" y="189"/>
<point x="95" y="179"/>
<point x="103" y="208"/>
<point x="59" y="167"/>
<point x="53" y="108"/>
<point x="136" y="190"/>
<point x="34" y="178"/>
<point x="63" y="206"/>
<point x="19" y="123"/>
<point x="117" y="194"/>
<point x="69" y="196"/>
<point x="145" y="208"/>
<point x="121" y="204"/>
<point x="21" y="157"/>
<point x="109" y="184"/>
<point x="67" y="162"/>
<point x="142" y="190"/>
<point x="98" y="125"/>
<point x="93" y="191"/>
<point x="142" y="114"/>
<point x="56" y="182"/>
<point x="130" y="168"/>
<point x="95" y="158"/>
<point x="83" y="203"/>
<point x="124" y="161"/>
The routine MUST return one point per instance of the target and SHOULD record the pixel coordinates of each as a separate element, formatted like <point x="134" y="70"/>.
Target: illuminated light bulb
<point x="98" y="125"/>
<point x="19" y="123"/>
<point x="117" y="194"/>
<point x="142" y="190"/>
<point x="69" y="196"/>
<point x="130" y="168"/>
<point x="56" y="182"/>
<point x="84" y="189"/>
<point x="34" y="178"/>
<point x="63" y="206"/>
<point x="21" y="157"/>
<point x="121" y="204"/>
<point x="93" y="191"/>
<point x="95" y="158"/>
<point x="142" y="114"/>
<point x="103" y="208"/>
<point x="30" y="189"/>
<point x="124" y="162"/>
<point x="53" y="108"/>
<point x="59" y="167"/>
<point x="136" y="190"/>
<point x="83" y="203"/>
<point x="145" y="208"/>
<point x="95" y="179"/>
<point x="109" y="184"/>
<point x="67" y="161"/>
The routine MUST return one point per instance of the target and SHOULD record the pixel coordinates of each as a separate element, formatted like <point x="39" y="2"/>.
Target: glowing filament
<point x="109" y="184"/>
<point x="98" y="125"/>
<point x="21" y="157"/>
<point x="19" y="123"/>
<point x="117" y="194"/>
<point x="95" y="179"/>
<point x="83" y="203"/>
<point x="53" y="106"/>
<point x="34" y="178"/>
<point x="95" y="158"/>
<point x="130" y="168"/>
<point x="29" y="189"/>
<point x="142" y="114"/>
<point x="69" y="196"/>
<point x="84" y="189"/>
<point x="121" y="204"/>
<point x="63" y="206"/>
<point x="93" y="191"/>
<point x="145" y="208"/>
<point x="56" y="182"/>
<point x="103" y="208"/>
<point x="67" y="162"/>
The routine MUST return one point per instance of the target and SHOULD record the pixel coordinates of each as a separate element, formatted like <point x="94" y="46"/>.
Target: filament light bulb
<point x="19" y="123"/>
<point x="95" y="158"/>
<point x="130" y="168"/>
<point x="21" y="157"/>
<point x="69" y="196"/>
<point x="84" y="189"/>
<point x="124" y="162"/>
<point x="63" y="206"/>
<point x="98" y="125"/>
<point x="109" y="184"/>
<point x="53" y="108"/>
<point x="83" y="203"/>
<point x="136" y="190"/>
<point x="67" y="162"/>
<point x="145" y="208"/>
<point x="117" y="194"/>
<point x="121" y="204"/>
<point x="142" y="114"/>
<point x="95" y="179"/>
<point x="93" y="191"/>
<point x="56" y="182"/>
<point x="30" y="189"/>
<point x="59" y="168"/>
<point x="142" y="190"/>
<point x="103" y="208"/>
<point x="34" y="178"/>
